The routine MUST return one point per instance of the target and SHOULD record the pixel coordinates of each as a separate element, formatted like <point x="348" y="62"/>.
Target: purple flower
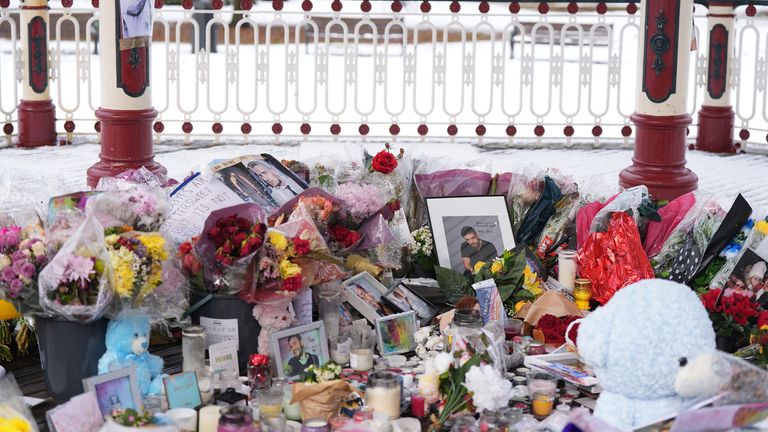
<point x="18" y="265"/>
<point x="28" y="269"/>
<point x="18" y="256"/>
<point x="8" y="274"/>
<point x="15" y="288"/>
<point x="78" y="268"/>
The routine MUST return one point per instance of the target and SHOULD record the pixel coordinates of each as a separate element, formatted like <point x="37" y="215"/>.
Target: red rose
<point x="292" y="283"/>
<point x="347" y="238"/>
<point x="185" y="248"/>
<point x="762" y="319"/>
<point x="384" y="162"/>
<point x="300" y="246"/>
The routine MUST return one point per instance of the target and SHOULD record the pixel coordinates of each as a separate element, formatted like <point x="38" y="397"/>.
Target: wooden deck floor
<point x="29" y="376"/>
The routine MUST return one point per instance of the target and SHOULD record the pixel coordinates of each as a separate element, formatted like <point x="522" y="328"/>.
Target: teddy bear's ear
<point x="594" y="336"/>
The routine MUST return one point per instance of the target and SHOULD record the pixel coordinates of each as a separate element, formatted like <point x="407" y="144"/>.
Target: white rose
<point x="38" y="248"/>
<point x="5" y="261"/>
<point x="443" y="362"/>
<point x="490" y="391"/>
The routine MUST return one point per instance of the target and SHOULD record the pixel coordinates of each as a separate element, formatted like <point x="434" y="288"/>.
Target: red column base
<point x="37" y="123"/>
<point x="126" y="143"/>
<point x="659" y="160"/>
<point x="716" y="129"/>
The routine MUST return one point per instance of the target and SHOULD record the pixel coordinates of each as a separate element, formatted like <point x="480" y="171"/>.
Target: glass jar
<point x="205" y="383"/>
<point x="383" y="394"/>
<point x="361" y="352"/>
<point x="582" y="293"/>
<point x="259" y="374"/>
<point x="193" y="347"/>
<point x="274" y="423"/>
<point x="492" y="422"/>
<point x="292" y="411"/>
<point x="536" y="348"/>
<point x="340" y="346"/>
<point x="566" y="268"/>
<point x="465" y="329"/>
<point x="236" y="419"/>
<point x="328" y="303"/>
<point x="270" y="401"/>
<point x="228" y="379"/>
<point x="464" y="424"/>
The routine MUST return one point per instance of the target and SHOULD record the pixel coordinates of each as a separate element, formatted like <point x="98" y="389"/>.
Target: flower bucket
<point x="228" y="307"/>
<point x="69" y="352"/>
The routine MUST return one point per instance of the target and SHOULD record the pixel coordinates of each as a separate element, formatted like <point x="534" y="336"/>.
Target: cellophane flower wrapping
<point x="671" y="215"/>
<point x="322" y="207"/>
<point x="290" y="260"/>
<point x="135" y="205"/>
<point x="628" y="201"/>
<point x="522" y="191"/>
<point x="227" y="263"/>
<point x="23" y="255"/>
<point x="614" y="258"/>
<point x="688" y="239"/>
<point x="15" y="415"/>
<point x="76" y="283"/>
<point x="540" y="213"/>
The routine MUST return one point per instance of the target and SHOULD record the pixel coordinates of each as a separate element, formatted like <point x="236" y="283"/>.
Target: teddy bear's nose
<point x="145" y="344"/>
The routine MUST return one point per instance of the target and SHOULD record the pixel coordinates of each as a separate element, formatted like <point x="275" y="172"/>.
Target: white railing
<point x="352" y="73"/>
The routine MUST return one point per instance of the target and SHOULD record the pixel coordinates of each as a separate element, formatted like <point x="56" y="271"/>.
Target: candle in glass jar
<point x="292" y="411"/>
<point x="193" y="347"/>
<point x="540" y="386"/>
<point x="208" y="418"/>
<point x="383" y="394"/>
<point x="315" y="425"/>
<point x="542" y="404"/>
<point x="361" y="359"/>
<point x="418" y="406"/>
<point x="566" y="268"/>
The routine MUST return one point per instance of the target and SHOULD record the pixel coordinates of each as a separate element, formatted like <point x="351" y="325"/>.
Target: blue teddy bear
<point x="127" y="342"/>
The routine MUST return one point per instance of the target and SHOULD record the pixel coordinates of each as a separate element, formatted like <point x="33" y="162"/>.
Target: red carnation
<point x="347" y="238"/>
<point x="292" y="283"/>
<point x="300" y="246"/>
<point x="384" y="162"/>
<point x="762" y="319"/>
<point x="185" y="248"/>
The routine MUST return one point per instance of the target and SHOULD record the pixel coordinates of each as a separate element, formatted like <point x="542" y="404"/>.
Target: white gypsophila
<point x="490" y="391"/>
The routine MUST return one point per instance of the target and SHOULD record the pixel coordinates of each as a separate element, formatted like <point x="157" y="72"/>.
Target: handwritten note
<point x="219" y="330"/>
<point x="224" y="357"/>
<point x="80" y="414"/>
<point x="182" y="390"/>
<point x="190" y="205"/>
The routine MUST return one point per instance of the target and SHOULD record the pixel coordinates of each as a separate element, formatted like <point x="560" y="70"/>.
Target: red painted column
<point x="661" y="117"/>
<point x="716" y="117"/>
<point x="37" y="114"/>
<point x="126" y="114"/>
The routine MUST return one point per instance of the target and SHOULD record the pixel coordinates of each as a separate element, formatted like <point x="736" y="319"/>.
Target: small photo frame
<point x="182" y="391"/>
<point x="405" y="299"/>
<point x="115" y="390"/>
<point x="295" y="348"/>
<point x="395" y="333"/>
<point x="467" y="230"/>
<point x="364" y="293"/>
<point x="750" y="276"/>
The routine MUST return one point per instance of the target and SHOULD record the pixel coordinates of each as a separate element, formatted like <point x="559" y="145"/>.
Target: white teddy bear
<point x="637" y="344"/>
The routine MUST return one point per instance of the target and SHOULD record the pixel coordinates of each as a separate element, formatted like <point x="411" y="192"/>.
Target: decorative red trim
<point x="126" y="143"/>
<point x="721" y="15"/>
<point x="37" y="123"/>
<point x="660" y="49"/>
<point x="659" y="160"/>
<point x="34" y="8"/>
<point x="37" y="56"/>
<point x="716" y="129"/>
<point x="717" y="68"/>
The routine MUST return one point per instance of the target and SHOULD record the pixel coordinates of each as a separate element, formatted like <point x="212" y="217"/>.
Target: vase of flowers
<point x="730" y="313"/>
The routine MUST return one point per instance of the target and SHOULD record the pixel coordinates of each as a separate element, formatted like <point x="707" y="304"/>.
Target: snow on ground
<point x="28" y="176"/>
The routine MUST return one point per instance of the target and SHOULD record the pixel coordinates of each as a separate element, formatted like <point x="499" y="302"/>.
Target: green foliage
<point x="454" y="285"/>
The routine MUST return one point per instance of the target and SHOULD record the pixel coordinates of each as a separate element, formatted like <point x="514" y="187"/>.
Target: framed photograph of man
<point x="261" y="179"/>
<point x="296" y="348"/>
<point x="467" y="230"/>
<point x="405" y="299"/>
<point x="364" y="293"/>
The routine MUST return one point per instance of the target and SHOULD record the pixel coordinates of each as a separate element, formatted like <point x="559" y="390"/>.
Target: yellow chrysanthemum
<point x="479" y="266"/>
<point x="497" y="266"/>
<point x="111" y="239"/>
<point x="289" y="269"/>
<point x="14" y="424"/>
<point x="155" y="245"/>
<point x="122" y="275"/>
<point x="764" y="328"/>
<point x="531" y="282"/>
<point x="762" y="227"/>
<point x="278" y="240"/>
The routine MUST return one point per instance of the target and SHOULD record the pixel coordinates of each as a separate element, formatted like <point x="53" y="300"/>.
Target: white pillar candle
<point x="384" y="400"/>
<point x="566" y="268"/>
<point x="361" y="359"/>
<point x="209" y="418"/>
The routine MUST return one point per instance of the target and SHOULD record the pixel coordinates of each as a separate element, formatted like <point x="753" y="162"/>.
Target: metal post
<point x="126" y="114"/>
<point x="37" y="114"/>
<point x="661" y="116"/>
<point x="716" y="117"/>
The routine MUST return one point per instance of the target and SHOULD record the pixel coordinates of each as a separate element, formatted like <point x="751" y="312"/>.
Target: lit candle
<point x="542" y="405"/>
<point x="209" y="418"/>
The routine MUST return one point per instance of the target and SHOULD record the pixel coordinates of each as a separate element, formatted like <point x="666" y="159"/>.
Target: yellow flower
<point x="14" y="424"/>
<point x="122" y="276"/>
<point x="479" y="266"/>
<point x="519" y="305"/>
<point x="762" y="227"/>
<point x="288" y="269"/>
<point x="278" y="240"/>
<point x="764" y="327"/>
<point x="497" y="266"/>
<point x="155" y="245"/>
<point x="531" y="282"/>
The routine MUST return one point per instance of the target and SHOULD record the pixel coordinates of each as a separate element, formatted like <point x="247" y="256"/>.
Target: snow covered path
<point x="35" y="175"/>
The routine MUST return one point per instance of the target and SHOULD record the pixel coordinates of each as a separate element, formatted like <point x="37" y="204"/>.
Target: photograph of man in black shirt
<point x="475" y="249"/>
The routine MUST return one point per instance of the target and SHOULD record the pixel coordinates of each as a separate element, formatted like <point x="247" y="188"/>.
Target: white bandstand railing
<point x="490" y="73"/>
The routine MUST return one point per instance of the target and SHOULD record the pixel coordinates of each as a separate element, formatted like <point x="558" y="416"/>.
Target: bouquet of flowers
<point x="76" y="283"/>
<point x="759" y="339"/>
<point x="22" y="256"/>
<point x="230" y="241"/>
<point x="15" y="416"/>
<point x="730" y="315"/>
<point x="421" y="249"/>
<point x="321" y="206"/>
<point x="190" y="265"/>
<point x="137" y="262"/>
<point x="136" y="205"/>
<point x="551" y="329"/>
<point x="319" y="374"/>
